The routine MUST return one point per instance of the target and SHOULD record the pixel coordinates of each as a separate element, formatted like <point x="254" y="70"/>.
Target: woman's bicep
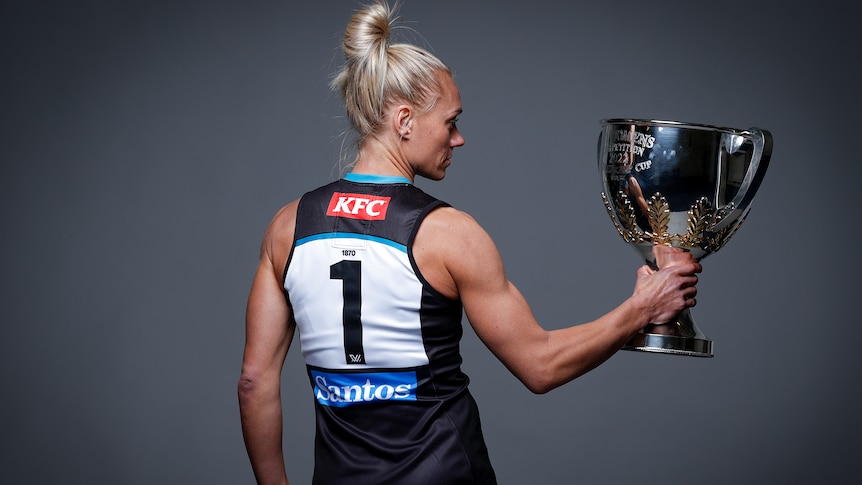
<point x="495" y="308"/>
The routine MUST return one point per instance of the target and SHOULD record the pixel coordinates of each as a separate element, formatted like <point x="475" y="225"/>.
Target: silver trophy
<point x="681" y="185"/>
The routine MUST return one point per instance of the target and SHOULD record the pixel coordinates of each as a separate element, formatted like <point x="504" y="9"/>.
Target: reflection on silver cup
<point x="683" y="185"/>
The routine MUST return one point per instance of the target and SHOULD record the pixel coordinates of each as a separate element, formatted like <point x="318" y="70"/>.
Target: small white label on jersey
<point x="348" y="243"/>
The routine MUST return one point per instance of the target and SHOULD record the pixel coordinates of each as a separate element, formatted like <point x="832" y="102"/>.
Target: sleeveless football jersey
<point x="381" y="346"/>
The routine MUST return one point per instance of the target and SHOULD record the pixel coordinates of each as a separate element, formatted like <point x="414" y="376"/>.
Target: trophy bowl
<point x="684" y="185"/>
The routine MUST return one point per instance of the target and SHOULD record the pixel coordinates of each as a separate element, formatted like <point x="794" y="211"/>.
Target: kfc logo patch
<point x="358" y="206"/>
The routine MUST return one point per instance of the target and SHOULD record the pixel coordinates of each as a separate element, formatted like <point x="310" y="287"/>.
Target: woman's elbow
<point x="251" y="387"/>
<point x="545" y="378"/>
<point x="245" y="388"/>
<point x="540" y="381"/>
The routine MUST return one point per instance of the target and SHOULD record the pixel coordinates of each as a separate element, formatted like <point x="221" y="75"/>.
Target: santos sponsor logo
<point x="341" y="390"/>
<point x="358" y="206"/>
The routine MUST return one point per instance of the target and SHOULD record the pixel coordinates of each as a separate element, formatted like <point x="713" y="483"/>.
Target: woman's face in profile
<point x="435" y="134"/>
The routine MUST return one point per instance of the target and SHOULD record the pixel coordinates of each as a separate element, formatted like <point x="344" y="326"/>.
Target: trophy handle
<point x="762" y="141"/>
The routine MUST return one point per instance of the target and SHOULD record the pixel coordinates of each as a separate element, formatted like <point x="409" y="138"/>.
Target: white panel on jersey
<point x="391" y="297"/>
<point x="348" y="243"/>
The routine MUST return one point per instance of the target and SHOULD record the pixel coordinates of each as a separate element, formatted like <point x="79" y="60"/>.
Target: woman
<point x="377" y="274"/>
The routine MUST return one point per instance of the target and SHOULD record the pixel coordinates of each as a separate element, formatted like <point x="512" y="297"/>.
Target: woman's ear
<point x="404" y="121"/>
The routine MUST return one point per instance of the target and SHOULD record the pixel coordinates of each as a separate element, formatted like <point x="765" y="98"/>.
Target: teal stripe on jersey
<point x="367" y="178"/>
<point x="351" y="235"/>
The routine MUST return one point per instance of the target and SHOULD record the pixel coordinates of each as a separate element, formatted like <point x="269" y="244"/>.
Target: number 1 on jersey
<point x="350" y="273"/>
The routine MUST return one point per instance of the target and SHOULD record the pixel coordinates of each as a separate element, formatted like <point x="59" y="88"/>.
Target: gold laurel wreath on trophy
<point x="701" y="216"/>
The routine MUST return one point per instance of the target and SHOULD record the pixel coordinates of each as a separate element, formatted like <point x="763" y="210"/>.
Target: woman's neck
<point x="378" y="158"/>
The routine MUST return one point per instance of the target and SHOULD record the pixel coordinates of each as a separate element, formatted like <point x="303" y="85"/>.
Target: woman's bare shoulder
<point x="455" y="239"/>
<point x="278" y="238"/>
<point x="450" y="219"/>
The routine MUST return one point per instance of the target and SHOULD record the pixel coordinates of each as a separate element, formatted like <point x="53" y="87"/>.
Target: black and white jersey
<point x="381" y="346"/>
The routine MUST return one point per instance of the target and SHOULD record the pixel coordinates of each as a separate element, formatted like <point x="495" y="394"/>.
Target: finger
<point x="693" y="268"/>
<point x="645" y="270"/>
<point x="690" y="282"/>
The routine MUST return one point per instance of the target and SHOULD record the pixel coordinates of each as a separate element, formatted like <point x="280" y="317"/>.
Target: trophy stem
<point x="679" y="337"/>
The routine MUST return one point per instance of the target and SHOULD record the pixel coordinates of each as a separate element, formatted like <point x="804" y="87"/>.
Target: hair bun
<point x="375" y="73"/>
<point x="368" y="32"/>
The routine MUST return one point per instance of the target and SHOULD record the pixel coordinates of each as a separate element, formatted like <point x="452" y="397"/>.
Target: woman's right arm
<point x="459" y="259"/>
<point x="269" y="331"/>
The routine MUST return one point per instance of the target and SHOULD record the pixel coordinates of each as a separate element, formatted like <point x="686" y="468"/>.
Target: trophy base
<point x="679" y="338"/>
<point x="667" y="344"/>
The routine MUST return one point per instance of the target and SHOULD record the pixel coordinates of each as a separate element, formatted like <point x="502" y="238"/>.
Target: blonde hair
<point x="376" y="73"/>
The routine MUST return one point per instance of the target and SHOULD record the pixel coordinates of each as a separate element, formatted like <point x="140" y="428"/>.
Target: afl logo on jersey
<point x="358" y="206"/>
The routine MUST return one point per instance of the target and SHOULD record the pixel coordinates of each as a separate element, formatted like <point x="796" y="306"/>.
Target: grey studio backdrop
<point x="146" y="145"/>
